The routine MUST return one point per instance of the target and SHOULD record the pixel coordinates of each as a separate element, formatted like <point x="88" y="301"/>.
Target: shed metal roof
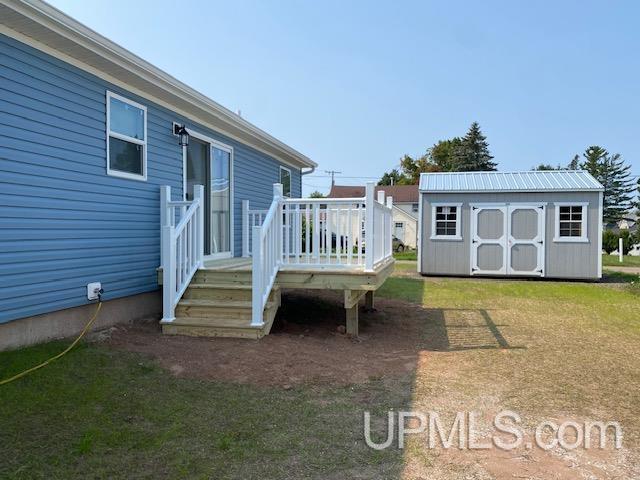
<point x="530" y="181"/>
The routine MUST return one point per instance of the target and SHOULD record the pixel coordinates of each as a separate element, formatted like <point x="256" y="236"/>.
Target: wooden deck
<point x="218" y="297"/>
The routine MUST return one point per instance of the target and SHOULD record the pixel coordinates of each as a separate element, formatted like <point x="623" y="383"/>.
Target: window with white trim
<point x="126" y="138"/>
<point x="571" y="222"/>
<point x="415" y="207"/>
<point x="446" y="221"/>
<point x="285" y="180"/>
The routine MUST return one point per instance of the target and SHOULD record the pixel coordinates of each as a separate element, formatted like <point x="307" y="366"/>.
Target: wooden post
<point x="368" y="301"/>
<point x="245" y="228"/>
<point x="368" y="228"/>
<point x="352" y="320"/>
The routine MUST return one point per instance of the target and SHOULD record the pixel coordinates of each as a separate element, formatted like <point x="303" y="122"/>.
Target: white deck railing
<point x="267" y="256"/>
<point x="329" y="232"/>
<point x="313" y="233"/>
<point x="250" y="218"/>
<point x="181" y="246"/>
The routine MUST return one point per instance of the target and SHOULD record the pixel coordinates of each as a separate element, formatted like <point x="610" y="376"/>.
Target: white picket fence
<point x="181" y="246"/>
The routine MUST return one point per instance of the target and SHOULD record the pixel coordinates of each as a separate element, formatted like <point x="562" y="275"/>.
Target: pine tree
<point x="611" y="171"/>
<point x="574" y="164"/>
<point x="472" y="155"/>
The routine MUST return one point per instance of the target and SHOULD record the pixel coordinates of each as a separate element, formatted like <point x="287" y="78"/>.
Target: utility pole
<point x="332" y="173"/>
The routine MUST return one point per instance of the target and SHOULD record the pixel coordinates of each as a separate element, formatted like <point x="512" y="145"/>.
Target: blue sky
<point x="355" y="85"/>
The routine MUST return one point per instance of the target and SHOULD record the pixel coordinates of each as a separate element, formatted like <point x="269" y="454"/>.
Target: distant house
<point x="405" y="207"/>
<point x="630" y="222"/>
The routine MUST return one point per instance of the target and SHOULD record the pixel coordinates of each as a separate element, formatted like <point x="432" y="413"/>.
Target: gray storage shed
<point x="527" y="224"/>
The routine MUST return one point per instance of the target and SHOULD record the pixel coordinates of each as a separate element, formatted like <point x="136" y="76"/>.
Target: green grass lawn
<point x="543" y="349"/>
<point x="627" y="261"/>
<point x="406" y="255"/>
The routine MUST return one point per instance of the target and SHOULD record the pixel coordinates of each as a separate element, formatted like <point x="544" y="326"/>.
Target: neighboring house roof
<point x="46" y="28"/>
<point x="400" y="193"/>
<point x="532" y="181"/>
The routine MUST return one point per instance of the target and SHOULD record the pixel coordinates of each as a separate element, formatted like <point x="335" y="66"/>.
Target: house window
<point x="445" y="223"/>
<point x="285" y="180"/>
<point x="571" y="222"/>
<point x="414" y="207"/>
<point x="126" y="138"/>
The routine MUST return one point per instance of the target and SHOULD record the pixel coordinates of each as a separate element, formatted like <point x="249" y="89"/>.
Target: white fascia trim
<point x="67" y="27"/>
<point x="585" y="236"/>
<point x="522" y="190"/>
<point x="600" y="228"/>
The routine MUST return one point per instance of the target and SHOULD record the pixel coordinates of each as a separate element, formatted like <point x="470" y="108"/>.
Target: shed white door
<point x="507" y="239"/>
<point x="525" y="244"/>
<point x="489" y="240"/>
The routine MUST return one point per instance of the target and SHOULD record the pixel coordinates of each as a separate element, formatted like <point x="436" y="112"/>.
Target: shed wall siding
<point x="562" y="260"/>
<point x="63" y="221"/>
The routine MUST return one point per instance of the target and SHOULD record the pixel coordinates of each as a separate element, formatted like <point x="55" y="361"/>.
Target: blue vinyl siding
<point x="63" y="221"/>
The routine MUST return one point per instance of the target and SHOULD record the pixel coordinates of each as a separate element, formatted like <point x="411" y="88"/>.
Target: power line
<point x="332" y="173"/>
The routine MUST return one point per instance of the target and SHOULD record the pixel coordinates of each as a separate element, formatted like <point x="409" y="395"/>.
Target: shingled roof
<point x="400" y="193"/>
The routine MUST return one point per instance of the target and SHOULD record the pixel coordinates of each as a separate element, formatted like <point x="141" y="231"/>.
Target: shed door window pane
<point x="446" y="221"/>
<point x="125" y="156"/>
<point x="126" y="119"/>
<point x="285" y="180"/>
<point x="571" y="221"/>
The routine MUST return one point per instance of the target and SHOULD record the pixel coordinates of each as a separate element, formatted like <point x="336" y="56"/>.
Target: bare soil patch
<point x="304" y="346"/>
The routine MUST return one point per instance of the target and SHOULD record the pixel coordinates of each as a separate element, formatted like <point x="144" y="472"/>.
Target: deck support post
<point x="352" y="320"/>
<point x="368" y="301"/>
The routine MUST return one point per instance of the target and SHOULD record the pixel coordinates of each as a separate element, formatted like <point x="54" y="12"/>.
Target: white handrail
<point x="267" y="255"/>
<point x="182" y="246"/>
<point x="250" y="218"/>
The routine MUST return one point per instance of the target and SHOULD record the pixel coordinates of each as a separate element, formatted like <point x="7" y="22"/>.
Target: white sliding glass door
<point x="210" y="164"/>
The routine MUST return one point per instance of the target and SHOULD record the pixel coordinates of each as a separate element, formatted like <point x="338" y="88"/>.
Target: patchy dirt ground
<point x="304" y="346"/>
<point x="484" y="359"/>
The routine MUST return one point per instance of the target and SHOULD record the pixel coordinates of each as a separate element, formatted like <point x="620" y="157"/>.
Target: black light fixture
<point x="181" y="132"/>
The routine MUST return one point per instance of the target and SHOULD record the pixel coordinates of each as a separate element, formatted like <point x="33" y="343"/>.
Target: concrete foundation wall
<point x="71" y="321"/>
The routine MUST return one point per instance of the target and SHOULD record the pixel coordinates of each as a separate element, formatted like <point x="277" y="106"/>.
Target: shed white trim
<point x="584" y="237"/>
<point x="434" y="235"/>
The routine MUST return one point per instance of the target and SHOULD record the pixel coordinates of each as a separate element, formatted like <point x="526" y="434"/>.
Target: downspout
<point x="313" y="169"/>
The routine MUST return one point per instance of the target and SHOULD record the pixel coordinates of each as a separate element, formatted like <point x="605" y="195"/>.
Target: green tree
<point x="547" y="166"/>
<point x="574" y="164"/>
<point x="610" y="170"/>
<point x="472" y="155"/>
<point x="441" y="156"/>
<point x="316" y="194"/>
<point x="394" y="177"/>
<point x="609" y="241"/>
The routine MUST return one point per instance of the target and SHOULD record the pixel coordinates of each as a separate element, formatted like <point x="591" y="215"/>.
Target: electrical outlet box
<point x="93" y="290"/>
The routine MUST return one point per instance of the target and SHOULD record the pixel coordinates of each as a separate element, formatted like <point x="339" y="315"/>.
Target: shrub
<point x="627" y="241"/>
<point x="609" y="241"/>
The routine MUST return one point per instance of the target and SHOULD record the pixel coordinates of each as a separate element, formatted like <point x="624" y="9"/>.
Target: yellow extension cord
<point x="47" y="362"/>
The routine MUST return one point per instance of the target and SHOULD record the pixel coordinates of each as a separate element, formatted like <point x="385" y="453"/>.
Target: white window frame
<point x="458" y="235"/>
<point x="584" y="238"/>
<point x="126" y="138"/>
<point x="416" y="209"/>
<point x="290" y="180"/>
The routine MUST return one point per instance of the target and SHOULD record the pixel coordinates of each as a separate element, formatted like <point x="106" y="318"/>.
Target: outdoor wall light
<point x="182" y="133"/>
